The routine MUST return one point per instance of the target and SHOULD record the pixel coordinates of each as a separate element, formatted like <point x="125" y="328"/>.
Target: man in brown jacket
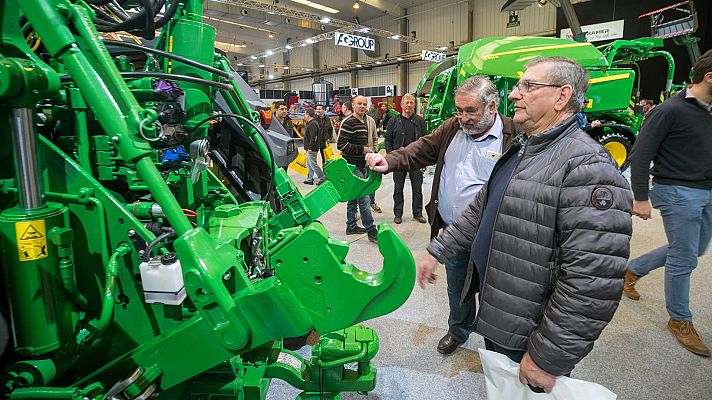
<point x="464" y="149"/>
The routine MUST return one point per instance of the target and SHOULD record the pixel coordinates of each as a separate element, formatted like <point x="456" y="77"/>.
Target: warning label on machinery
<point x="31" y="240"/>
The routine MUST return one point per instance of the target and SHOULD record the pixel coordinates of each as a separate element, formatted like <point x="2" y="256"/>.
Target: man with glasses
<point x="464" y="150"/>
<point x="549" y="235"/>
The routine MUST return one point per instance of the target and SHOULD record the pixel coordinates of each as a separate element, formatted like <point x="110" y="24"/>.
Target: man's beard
<point x="481" y="126"/>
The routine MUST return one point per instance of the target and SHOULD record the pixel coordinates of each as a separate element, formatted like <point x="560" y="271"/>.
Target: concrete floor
<point x="636" y="357"/>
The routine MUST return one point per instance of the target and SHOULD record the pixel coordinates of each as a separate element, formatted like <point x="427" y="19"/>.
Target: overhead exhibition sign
<point x="598" y="32"/>
<point x="427" y="55"/>
<point x="357" y="42"/>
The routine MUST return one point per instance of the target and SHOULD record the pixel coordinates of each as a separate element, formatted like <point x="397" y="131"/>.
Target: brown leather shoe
<point x="398" y="219"/>
<point x="448" y="344"/>
<point x="688" y="337"/>
<point x="629" y="285"/>
<point x="420" y="219"/>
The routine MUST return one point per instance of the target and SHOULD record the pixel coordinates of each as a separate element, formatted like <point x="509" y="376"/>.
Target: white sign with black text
<point x="354" y="91"/>
<point x="357" y="42"/>
<point x="427" y="55"/>
<point x="598" y="32"/>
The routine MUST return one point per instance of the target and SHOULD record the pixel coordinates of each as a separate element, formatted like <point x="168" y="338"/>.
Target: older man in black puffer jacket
<point x="549" y="234"/>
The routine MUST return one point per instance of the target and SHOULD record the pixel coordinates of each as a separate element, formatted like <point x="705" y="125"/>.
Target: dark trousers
<point x="323" y="159"/>
<point x="416" y="183"/>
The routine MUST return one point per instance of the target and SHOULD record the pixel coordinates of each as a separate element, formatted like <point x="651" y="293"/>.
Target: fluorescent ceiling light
<point x="285" y="67"/>
<point x="339" y="68"/>
<point x="379" y="62"/>
<point x="325" y="20"/>
<point x="239" y="64"/>
<point x="396" y="37"/>
<point x="288" y="47"/>
<point x="399" y="58"/>
<point x="270" y="76"/>
<point x="269" y="52"/>
<point x="318" y="6"/>
<point x="303" y="44"/>
<point x="225" y="21"/>
<point x="442" y="48"/>
<point x="359" y="65"/>
<point x="262" y="65"/>
<point x="253" y="57"/>
<point x="307" y="69"/>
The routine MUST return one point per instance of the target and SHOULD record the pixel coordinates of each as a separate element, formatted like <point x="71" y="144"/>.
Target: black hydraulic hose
<point x="99" y="3"/>
<point x="172" y="56"/>
<point x="147" y="251"/>
<point x="183" y="78"/>
<point x="149" y="31"/>
<point x="170" y="12"/>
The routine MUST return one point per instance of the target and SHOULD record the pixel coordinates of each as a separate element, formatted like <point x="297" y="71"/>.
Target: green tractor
<point x="613" y="71"/>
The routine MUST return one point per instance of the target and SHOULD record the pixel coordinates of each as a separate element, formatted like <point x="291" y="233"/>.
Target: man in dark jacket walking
<point x="326" y="130"/>
<point x="677" y="137"/>
<point x="463" y="150"/>
<point x="311" y="145"/>
<point x="403" y="130"/>
<point x="548" y="236"/>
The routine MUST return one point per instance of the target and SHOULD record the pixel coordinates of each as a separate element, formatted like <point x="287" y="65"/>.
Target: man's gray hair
<point x="480" y="86"/>
<point x="564" y="71"/>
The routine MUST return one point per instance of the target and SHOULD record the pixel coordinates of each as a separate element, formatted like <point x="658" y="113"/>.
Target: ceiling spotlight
<point x="288" y="47"/>
<point x="270" y="76"/>
<point x="253" y="57"/>
<point x="261" y="65"/>
<point x="269" y="52"/>
<point x="442" y="48"/>
<point x="339" y="68"/>
<point x="285" y="67"/>
<point x="307" y="69"/>
<point x="271" y="35"/>
<point x="541" y="3"/>
<point x="395" y="37"/>
<point x="356" y="5"/>
<point x="310" y="41"/>
<point x="325" y="20"/>
<point x="399" y="59"/>
<point x="379" y="62"/>
<point x="363" y="29"/>
<point x="239" y="64"/>
<point x="303" y="44"/>
<point x="359" y="65"/>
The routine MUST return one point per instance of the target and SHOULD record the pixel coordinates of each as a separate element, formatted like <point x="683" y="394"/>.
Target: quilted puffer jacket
<point x="560" y="244"/>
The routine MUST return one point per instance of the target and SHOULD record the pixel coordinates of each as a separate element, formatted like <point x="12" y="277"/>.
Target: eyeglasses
<point x="525" y="87"/>
<point x="468" y="114"/>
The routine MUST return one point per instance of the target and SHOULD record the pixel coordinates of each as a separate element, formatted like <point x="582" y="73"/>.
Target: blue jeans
<point x="313" y="167"/>
<point x="362" y="203"/>
<point x="462" y="314"/>
<point x="687" y="217"/>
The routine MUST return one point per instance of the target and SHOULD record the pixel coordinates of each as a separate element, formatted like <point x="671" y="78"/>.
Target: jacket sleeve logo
<point x="602" y="198"/>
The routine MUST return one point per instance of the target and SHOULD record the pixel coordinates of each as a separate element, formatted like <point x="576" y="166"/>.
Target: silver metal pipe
<point x="30" y="193"/>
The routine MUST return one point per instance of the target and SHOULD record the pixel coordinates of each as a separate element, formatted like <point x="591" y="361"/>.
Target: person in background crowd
<point x="280" y="114"/>
<point x="677" y="138"/>
<point x="373" y="112"/>
<point x="311" y="145"/>
<point x="647" y="106"/>
<point x="464" y="150"/>
<point x="384" y="117"/>
<point x="548" y="236"/>
<point x="326" y="130"/>
<point x="353" y="140"/>
<point x="401" y="131"/>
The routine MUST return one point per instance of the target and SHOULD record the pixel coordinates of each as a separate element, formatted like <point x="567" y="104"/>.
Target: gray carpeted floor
<point x="636" y="357"/>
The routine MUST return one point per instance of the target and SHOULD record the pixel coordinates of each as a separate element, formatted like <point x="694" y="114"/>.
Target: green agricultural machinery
<point x="613" y="70"/>
<point x="151" y="244"/>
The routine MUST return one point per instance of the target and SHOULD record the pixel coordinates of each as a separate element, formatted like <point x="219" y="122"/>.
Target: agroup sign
<point x="357" y="42"/>
<point x="427" y="55"/>
<point x="598" y="32"/>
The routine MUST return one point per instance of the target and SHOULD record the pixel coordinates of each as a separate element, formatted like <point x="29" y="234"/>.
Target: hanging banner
<point x="598" y="32"/>
<point x="427" y="55"/>
<point x="357" y="42"/>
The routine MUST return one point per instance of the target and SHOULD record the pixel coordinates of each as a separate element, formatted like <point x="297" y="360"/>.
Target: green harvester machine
<point x="152" y="246"/>
<point x="613" y="72"/>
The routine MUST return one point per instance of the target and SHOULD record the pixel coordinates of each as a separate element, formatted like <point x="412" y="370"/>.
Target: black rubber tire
<point x="619" y="147"/>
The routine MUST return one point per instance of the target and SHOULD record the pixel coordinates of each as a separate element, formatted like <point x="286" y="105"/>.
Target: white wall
<point x="534" y="21"/>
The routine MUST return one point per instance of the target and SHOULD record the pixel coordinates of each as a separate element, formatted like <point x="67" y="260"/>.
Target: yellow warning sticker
<point x="31" y="240"/>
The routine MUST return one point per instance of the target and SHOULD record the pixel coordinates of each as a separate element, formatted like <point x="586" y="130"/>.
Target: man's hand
<point x="642" y="209"/>
<point x="531" y="374"/>
<point x="425" y="269"/>
<point x="366" y="149"/>
<point x="377" y="162"/>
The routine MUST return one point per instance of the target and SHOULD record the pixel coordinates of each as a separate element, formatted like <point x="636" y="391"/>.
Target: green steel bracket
<point x="320" y="288"/>
<point x="349" y="186"/>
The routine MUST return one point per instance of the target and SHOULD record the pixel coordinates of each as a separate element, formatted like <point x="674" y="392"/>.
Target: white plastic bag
<point x="502" y="375"/>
